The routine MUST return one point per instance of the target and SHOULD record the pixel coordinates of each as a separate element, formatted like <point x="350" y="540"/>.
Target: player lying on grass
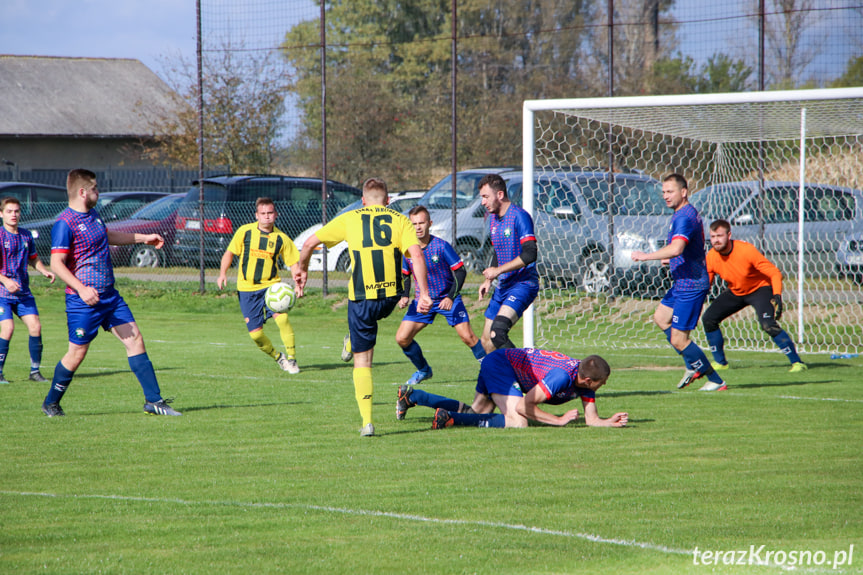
<point x="516" y="381"/>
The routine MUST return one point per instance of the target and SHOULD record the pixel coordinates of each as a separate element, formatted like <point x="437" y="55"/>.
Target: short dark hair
<point x="77" y="178"/>
<point x="264" y="201"/>
<point x="494" y="181"/>
<point x="716" y="224"/>
<point x="595" y="368"/>
<point x="9" y="200"/>
<point x="419" y="210"/>
<point x="678" y="179"/>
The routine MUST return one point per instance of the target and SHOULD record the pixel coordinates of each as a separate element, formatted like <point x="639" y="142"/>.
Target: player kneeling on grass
<point x="258" y="246"/>
<point x="516" y="381"/>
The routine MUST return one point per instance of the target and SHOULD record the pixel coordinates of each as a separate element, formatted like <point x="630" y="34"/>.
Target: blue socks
<point x="61" y="381"/>
<point x="143" y="370"/>
<point x="4" y="349"/>
<point x="427" y="399"/>
<point x="35" y="344"/>
<point x="783" y="341"/>
<point x="717" y="345"/>
<point x="695" y="359"/>
<point x="415" y="354"/>
<point x="478" y="350"/>
<point x="478" y="419"/>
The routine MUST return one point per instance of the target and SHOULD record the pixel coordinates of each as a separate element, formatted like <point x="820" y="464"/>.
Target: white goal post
<point x="785" y="168"/>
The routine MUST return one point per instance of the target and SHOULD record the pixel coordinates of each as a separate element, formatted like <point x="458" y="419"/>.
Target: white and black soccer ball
<point x="280" y="297"/>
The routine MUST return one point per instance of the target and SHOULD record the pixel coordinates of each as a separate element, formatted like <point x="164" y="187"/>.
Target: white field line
<point x="371" y="513"/>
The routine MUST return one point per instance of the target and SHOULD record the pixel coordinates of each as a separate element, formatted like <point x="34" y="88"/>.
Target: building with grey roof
<point x="79" y="112"/>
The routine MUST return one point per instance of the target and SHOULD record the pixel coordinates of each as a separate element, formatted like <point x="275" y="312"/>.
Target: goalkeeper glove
<point x="777" y="304"/>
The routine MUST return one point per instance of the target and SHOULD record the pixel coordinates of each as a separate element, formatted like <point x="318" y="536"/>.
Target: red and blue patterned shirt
<point x="689" y="269"/>
<point x="85" y="238"/>
<point x="554" y="372"/>
<point x="17" y="251"/>
<point x="441" y="261"/>
<point x="507" y="235"/>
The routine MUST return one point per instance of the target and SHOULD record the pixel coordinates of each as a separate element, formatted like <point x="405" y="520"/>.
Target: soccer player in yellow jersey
<point x="259" y="245"/>
<point x="377" y="237"/>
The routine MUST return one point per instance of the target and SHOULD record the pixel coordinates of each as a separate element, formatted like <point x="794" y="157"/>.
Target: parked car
<point x="849" y="257"/>
<point x="38" y="201"/>
<point x="470" y="222"/>
<point x="830" y="212"/>
<point x="112" y="206"/>
<point x="229" y="202"/>
<point x="338" y="258"/>
<point x="155" y="218"/>
<point x="572" y="218"/>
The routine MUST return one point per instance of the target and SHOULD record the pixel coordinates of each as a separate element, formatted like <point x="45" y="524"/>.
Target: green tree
<point x="852" y="76"/>
<point x="244" y="97"/>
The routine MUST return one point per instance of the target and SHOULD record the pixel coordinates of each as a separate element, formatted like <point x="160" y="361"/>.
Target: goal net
<point x="784" y="168"/>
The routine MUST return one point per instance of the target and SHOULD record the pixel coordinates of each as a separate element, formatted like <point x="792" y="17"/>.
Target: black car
<point x="112" y="206"/>
<point x="229" y="202"/>
<point x="38" y="201"/>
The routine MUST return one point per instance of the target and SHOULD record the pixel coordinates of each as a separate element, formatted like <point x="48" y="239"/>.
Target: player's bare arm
<point x="529" y="407"/>
<point x="295" y="270"/>
<point x="672" y="250"/>
<point x="40" y="267"/>
<point x="418" y="261"/>
<point x="58" y="265"/>
<point x="591" y="417"/>
<point x="11" y="285"/>
<point x="116" y="238"/>
<point x="224" y="264"/>
<point x="302" y="273"/>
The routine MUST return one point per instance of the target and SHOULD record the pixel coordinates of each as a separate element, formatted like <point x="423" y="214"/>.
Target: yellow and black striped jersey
<point x="377" y="237"/>
<point x="258" y="253"/>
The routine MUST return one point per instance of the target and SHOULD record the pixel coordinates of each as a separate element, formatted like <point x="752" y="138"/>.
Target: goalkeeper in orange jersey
<point x="752" y="280"/>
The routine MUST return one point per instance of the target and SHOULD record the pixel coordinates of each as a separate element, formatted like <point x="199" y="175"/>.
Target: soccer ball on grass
<point x="280" y="297"/>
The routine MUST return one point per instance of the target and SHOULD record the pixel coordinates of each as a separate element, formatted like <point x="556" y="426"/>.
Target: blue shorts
<point x="254" y="310"/>
<point x="518" y="297"/>
<point x="363" y="319"/>
<point x="83" y="321"/>
<point x="455" y="315"/>
<point x="686" y="306"/>
<point x="496" y="375"/>
<point x="24" y="306"/>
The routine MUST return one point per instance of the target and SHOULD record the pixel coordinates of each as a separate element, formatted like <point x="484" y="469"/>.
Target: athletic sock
<point x="426" y="399"/>
<point x="263" y="342"/>
<point x="363" y="388"/>
<point x="695" y="359"/>
<point x="478" y="419"/>
<point x="59" y="384"/>
<point x="415" y="354"/>
<point x="786" y="346"/>
<point x="717" y="345"/>
<point x="143" y="370"/>
<point x="478" y="350"/>
<point x="286" y="331"/>
<point x="4" y="349"/>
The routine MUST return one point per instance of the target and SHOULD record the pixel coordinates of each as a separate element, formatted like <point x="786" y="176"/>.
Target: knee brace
<point x="771" y="327"/>
<point x="500" y="327"/>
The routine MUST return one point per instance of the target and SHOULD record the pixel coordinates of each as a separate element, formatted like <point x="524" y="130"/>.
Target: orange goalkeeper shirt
<point x="744" y="269"/>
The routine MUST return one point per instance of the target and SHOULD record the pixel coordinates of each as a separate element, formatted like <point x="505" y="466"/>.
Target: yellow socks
<point x="287" y="333"/>
<point x="363" y="388"/>
<point x="263" y="342"/>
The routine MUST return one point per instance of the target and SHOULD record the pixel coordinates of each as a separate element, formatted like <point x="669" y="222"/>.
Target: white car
<point x="338" y="258"/>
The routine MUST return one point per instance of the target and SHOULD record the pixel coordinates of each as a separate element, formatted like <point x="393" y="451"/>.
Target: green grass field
<point x="266" y="472"/>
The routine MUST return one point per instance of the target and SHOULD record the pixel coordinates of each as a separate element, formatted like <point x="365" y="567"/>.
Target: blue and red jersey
<point x="507" y="235"/>
<point x="16" y="250"/>
<point x="85" y="238"/>
<point x="689" y="269"/>
<point x="554" y="372"/>
<point x="441" y="261"/>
